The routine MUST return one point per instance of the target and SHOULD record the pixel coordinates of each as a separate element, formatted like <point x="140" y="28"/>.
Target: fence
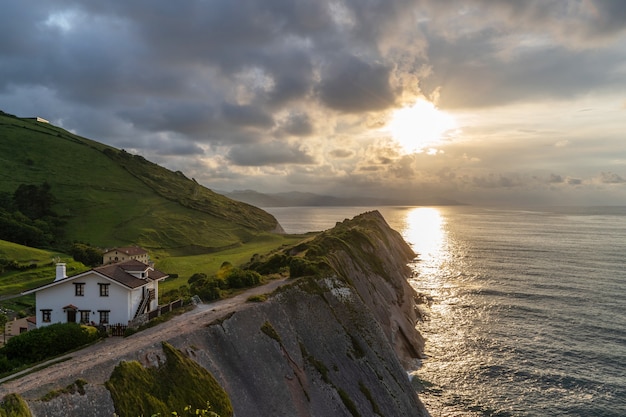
<point x="119" y="329"/>
<point x="165" y="309"/>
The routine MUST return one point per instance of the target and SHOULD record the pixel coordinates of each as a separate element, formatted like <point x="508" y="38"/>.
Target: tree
<point x="3" y="322"/>
<point x="86" y="254"/>
<point x="34" y="201"/>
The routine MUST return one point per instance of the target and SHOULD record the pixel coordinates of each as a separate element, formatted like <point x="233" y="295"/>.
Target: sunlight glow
<point x="420" y="126"/>
<point x="424" y="230"/>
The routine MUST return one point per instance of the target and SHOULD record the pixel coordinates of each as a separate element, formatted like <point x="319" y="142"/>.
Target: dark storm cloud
<point x="610" y="16"/>
<point x="474" y="72"/>
<point x="251" y="83"/>
<point x="272" y="153"/>
<point x="144" y="60"/>
<point x="352" y="85"/>
<point x="297" y="124"/>
<point x="246" y="116"/>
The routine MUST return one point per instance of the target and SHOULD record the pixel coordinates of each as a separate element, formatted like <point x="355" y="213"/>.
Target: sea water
<point x="527" y="312"/>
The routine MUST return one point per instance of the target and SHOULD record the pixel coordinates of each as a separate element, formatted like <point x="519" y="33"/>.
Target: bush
<point x="13" y="405"/>
<point x="86" y="254"/>
<point x="7" y="365"/>
<point x="207" y="289"/>
<point x="49" y="341"/>
<point x="300" y="267"/>
<point x="241" y="278"/>
<point x="273" y="265"/>
<point x="198" y="276"/>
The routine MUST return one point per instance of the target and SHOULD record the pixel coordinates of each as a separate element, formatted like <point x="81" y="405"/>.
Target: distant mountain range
<point x="304" y="199"/>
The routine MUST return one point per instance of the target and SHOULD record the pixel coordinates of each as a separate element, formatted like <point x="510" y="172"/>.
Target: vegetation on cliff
<point x="13" y="405"/>
<point x="174" y="385"/>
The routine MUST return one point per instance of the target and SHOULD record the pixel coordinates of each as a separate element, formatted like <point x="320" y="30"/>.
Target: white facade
<point x="103" y="295"/>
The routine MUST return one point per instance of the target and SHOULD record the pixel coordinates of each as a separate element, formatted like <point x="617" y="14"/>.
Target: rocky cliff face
<point x="334" y="345"/>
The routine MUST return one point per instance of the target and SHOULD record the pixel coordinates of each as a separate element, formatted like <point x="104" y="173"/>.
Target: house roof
<point x="119" y="272"/>
<point x="128" y="250"/>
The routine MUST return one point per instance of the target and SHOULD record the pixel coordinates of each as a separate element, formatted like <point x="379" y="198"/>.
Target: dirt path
<point x="96" y="362"/>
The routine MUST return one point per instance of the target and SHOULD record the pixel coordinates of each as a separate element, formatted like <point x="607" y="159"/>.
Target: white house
<point x="115" y="255"/>
<point x="109" y="294"/>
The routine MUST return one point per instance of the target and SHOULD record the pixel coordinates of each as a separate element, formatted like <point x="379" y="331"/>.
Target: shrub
<point x="7" y="365"/>
<point x="49" y="341"/>
<point x="13" y="405"/>
<point x="207" y="289"/>
<point x="257" y="298"/>
<point x="273" y="265"/>
<point x="241" y="278"/>
<point x="198" y="276"/>
<point x="86" y="254"/>
<point x="300" y="267"/>
<point x="179" y="384"/>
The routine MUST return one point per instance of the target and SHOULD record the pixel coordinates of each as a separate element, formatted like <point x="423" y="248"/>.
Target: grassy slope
<point x="111" y="198"/>
<point x="14" y="282"/>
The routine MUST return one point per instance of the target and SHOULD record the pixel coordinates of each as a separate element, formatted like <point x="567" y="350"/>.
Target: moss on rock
<point x="178" y="383"/>
<point x="13" y="405"/>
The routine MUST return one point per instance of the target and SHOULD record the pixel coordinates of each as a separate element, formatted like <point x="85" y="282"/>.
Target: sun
<point x="420" y="126"/>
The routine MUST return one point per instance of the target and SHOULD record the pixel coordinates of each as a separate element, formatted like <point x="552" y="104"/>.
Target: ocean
<point x="528" y="306"/>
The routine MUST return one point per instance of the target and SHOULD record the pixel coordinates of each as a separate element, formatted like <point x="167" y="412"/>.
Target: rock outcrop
<point x="332" y="345"/>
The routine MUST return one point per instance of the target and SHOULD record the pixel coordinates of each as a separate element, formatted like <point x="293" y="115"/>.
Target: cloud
<point x="272" y="153"/>
<point x="352" y="85"/>
<point x="297" y="124"/>
<point x="555" y="179"/>
<point x="611" y="178"/>
<point x="296" y="93"/>
<point x="341" y="153"/>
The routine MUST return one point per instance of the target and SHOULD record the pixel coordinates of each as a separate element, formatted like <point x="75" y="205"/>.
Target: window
<point x="84" y="316"/>
<point x="46" y="316"/>
<point x="104" y="290"/>
<point x="79" y="289"/>
<point x="104" y="316"/>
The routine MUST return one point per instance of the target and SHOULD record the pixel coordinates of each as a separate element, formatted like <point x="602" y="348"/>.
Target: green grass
<point x="111" y="198"/>
<point x="108" y="197"/>
<point x="15" y="282"/>
<point x="186" y="266"/>
<point x="25" y="254"/>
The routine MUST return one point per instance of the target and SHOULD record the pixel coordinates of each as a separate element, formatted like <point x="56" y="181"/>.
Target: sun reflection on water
<point x="425" y="230"/>
<point x="435" y="274"/>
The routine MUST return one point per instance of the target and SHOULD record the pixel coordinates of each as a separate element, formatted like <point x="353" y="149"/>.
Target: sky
<point x="480" y="101"/>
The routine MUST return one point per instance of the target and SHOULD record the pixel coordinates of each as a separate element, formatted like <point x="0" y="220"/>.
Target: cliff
<point x="330" y="345"/>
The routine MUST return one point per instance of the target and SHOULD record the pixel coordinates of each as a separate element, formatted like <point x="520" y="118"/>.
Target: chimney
<point x="60" y="272"/>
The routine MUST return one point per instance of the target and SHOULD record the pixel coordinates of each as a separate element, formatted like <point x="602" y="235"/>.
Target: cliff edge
<point x="333" y="344"/>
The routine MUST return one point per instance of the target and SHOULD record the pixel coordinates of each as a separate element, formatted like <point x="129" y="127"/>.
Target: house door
<point x="71" y="316"/>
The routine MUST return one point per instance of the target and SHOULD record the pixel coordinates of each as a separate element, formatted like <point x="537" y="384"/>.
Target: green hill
<point x="108" y="197"/>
